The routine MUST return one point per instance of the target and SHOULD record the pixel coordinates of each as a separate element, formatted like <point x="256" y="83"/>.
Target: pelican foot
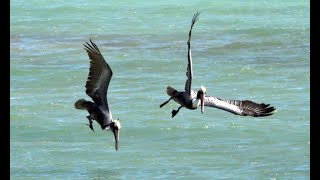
<point x="90" y="125"/>
<point x="90" y="121"/>
<point x="174" y="112"/>
<point x="161" y="105"/>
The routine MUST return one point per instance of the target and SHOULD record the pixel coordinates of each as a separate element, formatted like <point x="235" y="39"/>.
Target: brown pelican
<point x="97" y="85"/>
<point x="191" y="99"/>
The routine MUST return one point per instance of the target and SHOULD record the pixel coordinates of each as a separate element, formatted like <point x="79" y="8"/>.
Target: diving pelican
<point x="97" y="85"/>
<point x="191" y="99"/>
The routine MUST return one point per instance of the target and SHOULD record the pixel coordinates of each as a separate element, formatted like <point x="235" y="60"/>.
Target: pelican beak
<point x="202" y="103"/>
<point x="116" y="133"/>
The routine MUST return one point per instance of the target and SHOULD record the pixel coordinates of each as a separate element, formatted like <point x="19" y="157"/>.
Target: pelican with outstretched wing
<point x="191" y="99"/>
<point x="97" y="85"/>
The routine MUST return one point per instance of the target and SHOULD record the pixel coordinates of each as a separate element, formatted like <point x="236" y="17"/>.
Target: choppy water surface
<point x="241" y="50"/>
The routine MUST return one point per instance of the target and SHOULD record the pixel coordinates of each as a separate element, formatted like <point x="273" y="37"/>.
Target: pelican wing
<point x="189" y="72"/>
<point x="99" y="76"/>
<point x="238" y="107"/>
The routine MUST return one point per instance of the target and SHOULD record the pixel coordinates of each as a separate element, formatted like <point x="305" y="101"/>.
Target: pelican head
<point x="115" y="127"/>
<point x="201" y="94"/>
<point x="203" y="89"/>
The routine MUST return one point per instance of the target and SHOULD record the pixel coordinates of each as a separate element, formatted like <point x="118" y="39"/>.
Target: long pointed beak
<point x="202" y="103"/>
<point x="116" y="134"/>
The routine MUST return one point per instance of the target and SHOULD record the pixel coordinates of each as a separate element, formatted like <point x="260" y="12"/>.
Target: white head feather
<point x="117" y="123"/>
<point x="203" y="89"/>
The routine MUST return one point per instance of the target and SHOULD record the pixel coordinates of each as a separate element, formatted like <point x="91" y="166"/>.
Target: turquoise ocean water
<point x="257" y="50"/>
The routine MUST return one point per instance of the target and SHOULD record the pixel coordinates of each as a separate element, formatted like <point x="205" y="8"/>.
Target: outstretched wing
<point x="99" y="76"/>
<point x="243" y="108"/>
<point x="189" y="72"/>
